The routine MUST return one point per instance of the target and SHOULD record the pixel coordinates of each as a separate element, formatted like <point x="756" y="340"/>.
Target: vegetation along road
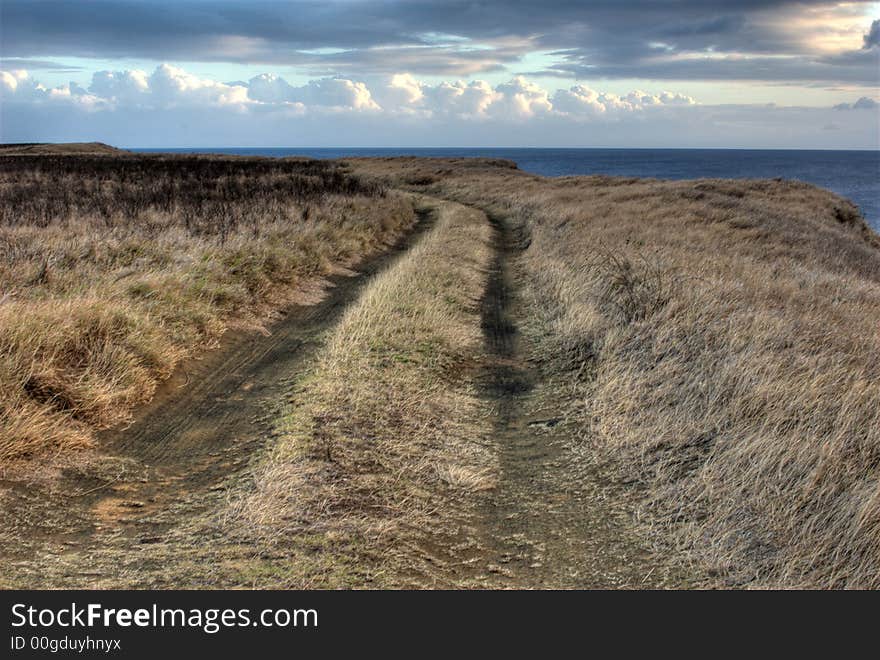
<point x="429" y="373"/>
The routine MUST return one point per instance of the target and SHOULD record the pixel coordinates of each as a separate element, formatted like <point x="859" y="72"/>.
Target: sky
<point x="442" y="73"/>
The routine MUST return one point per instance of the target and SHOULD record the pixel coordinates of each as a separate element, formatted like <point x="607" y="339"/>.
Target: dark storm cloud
<point x="38" y="65"/>
<point x="863" y="103"/>
<point x="602" y="38"/>
<point x="852" y="68"/>
<point x="872" y="39"/>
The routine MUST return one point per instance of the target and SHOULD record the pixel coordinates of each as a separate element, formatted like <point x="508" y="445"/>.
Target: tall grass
<point x="723" y="337"/>
<point x="114" y="268"/>
<point x="389" y="420"/>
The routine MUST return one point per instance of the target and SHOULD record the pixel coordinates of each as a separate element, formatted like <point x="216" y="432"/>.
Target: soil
<point x="550" y="523"/>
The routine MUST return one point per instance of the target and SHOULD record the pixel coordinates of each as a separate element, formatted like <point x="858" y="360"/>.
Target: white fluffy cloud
<point x="579" y="100"/>
<point x="130" y="86"/>
<point x="521" y="99"/>
<point x="269" y="88"/>
<point x="19" y="86"/>
<point x="467" y="100"/>
<point x="169" y="86"/>
<point x="172" y="106"/>
<point x="402" y="90"/>
<point x="9" y="80"/>
<point x="516" y="100"/>
<point x="583" y="101"/>
<point x="470" y="99"/>
<point x="336" y="93"/>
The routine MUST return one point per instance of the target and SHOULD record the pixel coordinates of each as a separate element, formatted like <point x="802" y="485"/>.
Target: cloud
<point x="337" y="93"/>
<point x="404" y="89"/>
<point x="864" y="103"/>
<point x="403" y="94"/>
<point x="30" y="64"/>
<point x="129" y="86"/>
<point x="269" y="88"/>
<point x="804" y="40"/>
<point x="872" y="38"/>
<point x="857" y="67"/>
<point x="10" y="80"/>
<point x="521" y="99"/>
<point x="18" y="86"/>
<point x="166" y="86"/>
<point x="170" y="85"/>
<point x="516" y="100"/>
<point x="172" y="106"/>
<point x="583" y="101"/>
<point x="460" y="98"/>
<point x="579" y="100"/>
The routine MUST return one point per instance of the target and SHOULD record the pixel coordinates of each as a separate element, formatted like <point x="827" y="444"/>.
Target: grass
<point x="114" y="268"/>
<point x="716" y="341"/>
<point x="54" y="149"/>
<point x="713" y="343"/>
<point x="386" y="430"/>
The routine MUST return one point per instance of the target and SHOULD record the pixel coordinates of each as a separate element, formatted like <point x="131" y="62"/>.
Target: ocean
<point x="852" y="174"/>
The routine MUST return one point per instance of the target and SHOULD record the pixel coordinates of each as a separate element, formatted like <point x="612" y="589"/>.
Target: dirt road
<point x="550" y="522"/>
<point x="170" y="466"/>
<point x="553" y="521"/>
<point x="127" y="520"/>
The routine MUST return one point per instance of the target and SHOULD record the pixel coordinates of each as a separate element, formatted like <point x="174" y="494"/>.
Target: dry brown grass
<point x="722" y="337"/>
<point x="389" y="418"/>
<point x="114" y="268"/>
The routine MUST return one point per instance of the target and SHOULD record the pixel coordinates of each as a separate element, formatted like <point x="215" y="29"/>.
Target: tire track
<point x="204" y="424"/>
<point x="550" y="522"/>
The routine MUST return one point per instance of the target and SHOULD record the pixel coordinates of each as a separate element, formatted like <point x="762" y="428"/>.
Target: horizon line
<point x="401" y="148"/>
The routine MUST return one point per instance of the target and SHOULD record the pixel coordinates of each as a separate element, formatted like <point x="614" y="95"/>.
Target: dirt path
<point x="553" y="521"/>
<point x="205" y="424"/>
<point x="134" y="516"/>
<point x="548" y="524"/>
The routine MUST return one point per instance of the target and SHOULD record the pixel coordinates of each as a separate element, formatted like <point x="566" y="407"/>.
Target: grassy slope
<point x="387" y="427"/>
<point x="113" y="269"/>
<point x="69" y="148"/>
<point x="714" y="339"/>
<point x="722" y="340"/>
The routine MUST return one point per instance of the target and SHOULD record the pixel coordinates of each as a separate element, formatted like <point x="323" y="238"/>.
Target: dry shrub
<point x="631" y="287"/>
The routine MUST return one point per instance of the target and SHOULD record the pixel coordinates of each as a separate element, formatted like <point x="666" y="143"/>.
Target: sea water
<point x="852" y="174"/>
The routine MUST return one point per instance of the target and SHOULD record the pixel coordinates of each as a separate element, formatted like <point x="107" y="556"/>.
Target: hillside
<point x="432" y="373"/>
<point x="116" y="269"/>
<point x="714" y="341"/>
<point x="58" y="149"/>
